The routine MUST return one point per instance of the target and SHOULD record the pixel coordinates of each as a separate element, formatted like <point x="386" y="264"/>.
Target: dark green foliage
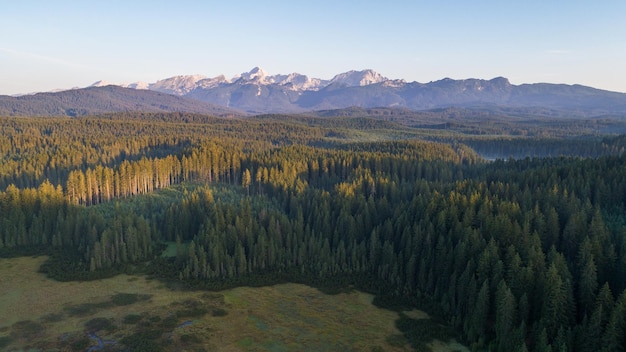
<point x="213" y="297"/>
<point x="124" y="299"/>
<point x="513" y="254"/>
<point x="26" y="330"/>
<point x="68" y="265"/>
<point x="5" y="341"/>
<point x="87" y="308"/>
<point x="52" y="318"/>
<point x="155" y="319"/>
<point x="80" y="344"/>
<point x="192" y="309"/>
<point x="396" y="340"/>
<point x="97" y="324"/>
<point x="190" y="338"/>
<point x="219" y="312"/>
<point x="506" y="318"/>
<point x="132" y="319"/>
<point x="143" y="341"/>
<point x="169" y="323"/>
<point x="420" y="332"/>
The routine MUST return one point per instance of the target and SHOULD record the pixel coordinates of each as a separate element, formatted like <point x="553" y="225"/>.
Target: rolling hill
<point x="97" y="100"/>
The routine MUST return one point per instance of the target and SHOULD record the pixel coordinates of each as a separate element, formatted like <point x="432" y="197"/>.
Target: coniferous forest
<point x="516" y="254"/>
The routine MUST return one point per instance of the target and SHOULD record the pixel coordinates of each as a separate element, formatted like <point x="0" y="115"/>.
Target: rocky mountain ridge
<point x="258" y="92"/>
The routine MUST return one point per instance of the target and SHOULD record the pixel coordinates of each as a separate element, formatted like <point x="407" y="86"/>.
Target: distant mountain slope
<point x="97" y="100"/>
<point x="257" y="92"/>
<point x="446" y="93"/>
<point x="570" y="97"/>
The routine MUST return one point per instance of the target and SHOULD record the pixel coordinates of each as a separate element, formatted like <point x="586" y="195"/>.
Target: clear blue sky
<point x="46" y="45"/>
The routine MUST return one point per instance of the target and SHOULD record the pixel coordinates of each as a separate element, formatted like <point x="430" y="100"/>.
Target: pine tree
<point x="246" y="181"/>
<point x="478" y="328"/>
<point x="615" y="332"/>
<point x="554" y="310"/>
<point x="506" y="312"/>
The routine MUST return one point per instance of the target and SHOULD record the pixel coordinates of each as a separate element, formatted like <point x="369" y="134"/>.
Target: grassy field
<point x="42" y="314"/>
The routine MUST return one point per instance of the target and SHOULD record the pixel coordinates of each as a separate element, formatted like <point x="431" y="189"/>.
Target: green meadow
<point x="40" y="314"/>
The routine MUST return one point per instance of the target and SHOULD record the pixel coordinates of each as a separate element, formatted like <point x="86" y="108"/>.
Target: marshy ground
<point x="42" y="314"/>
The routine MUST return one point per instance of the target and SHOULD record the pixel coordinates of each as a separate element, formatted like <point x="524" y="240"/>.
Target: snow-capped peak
<point x="182" y="85"/>
<point x="256" y="74"/>
<point x="298" y="82"/>
<point x="358" y="78"/>
<point x="178" y="85"/>
<point x="292" y="81"/>
<point x="137" y="85"/>
<point x="209" y="83"/>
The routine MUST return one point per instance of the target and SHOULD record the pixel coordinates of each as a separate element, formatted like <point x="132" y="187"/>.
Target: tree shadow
<point x="419" y="333"/>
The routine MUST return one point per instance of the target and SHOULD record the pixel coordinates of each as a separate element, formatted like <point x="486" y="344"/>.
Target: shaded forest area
<point x="516" y="254"/>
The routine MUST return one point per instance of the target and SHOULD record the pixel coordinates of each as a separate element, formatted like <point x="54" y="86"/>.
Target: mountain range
<point x="257" y="92"/>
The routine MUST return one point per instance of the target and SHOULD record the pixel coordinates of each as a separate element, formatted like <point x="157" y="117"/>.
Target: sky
<point x="48" y="45"/>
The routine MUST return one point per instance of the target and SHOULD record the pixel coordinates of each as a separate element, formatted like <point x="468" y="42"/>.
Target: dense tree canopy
<point x="517" y="254"/>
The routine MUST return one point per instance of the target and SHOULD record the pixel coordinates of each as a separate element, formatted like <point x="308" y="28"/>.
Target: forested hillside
<point x="516" y="254"/>
<point x="99" y="100"/>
